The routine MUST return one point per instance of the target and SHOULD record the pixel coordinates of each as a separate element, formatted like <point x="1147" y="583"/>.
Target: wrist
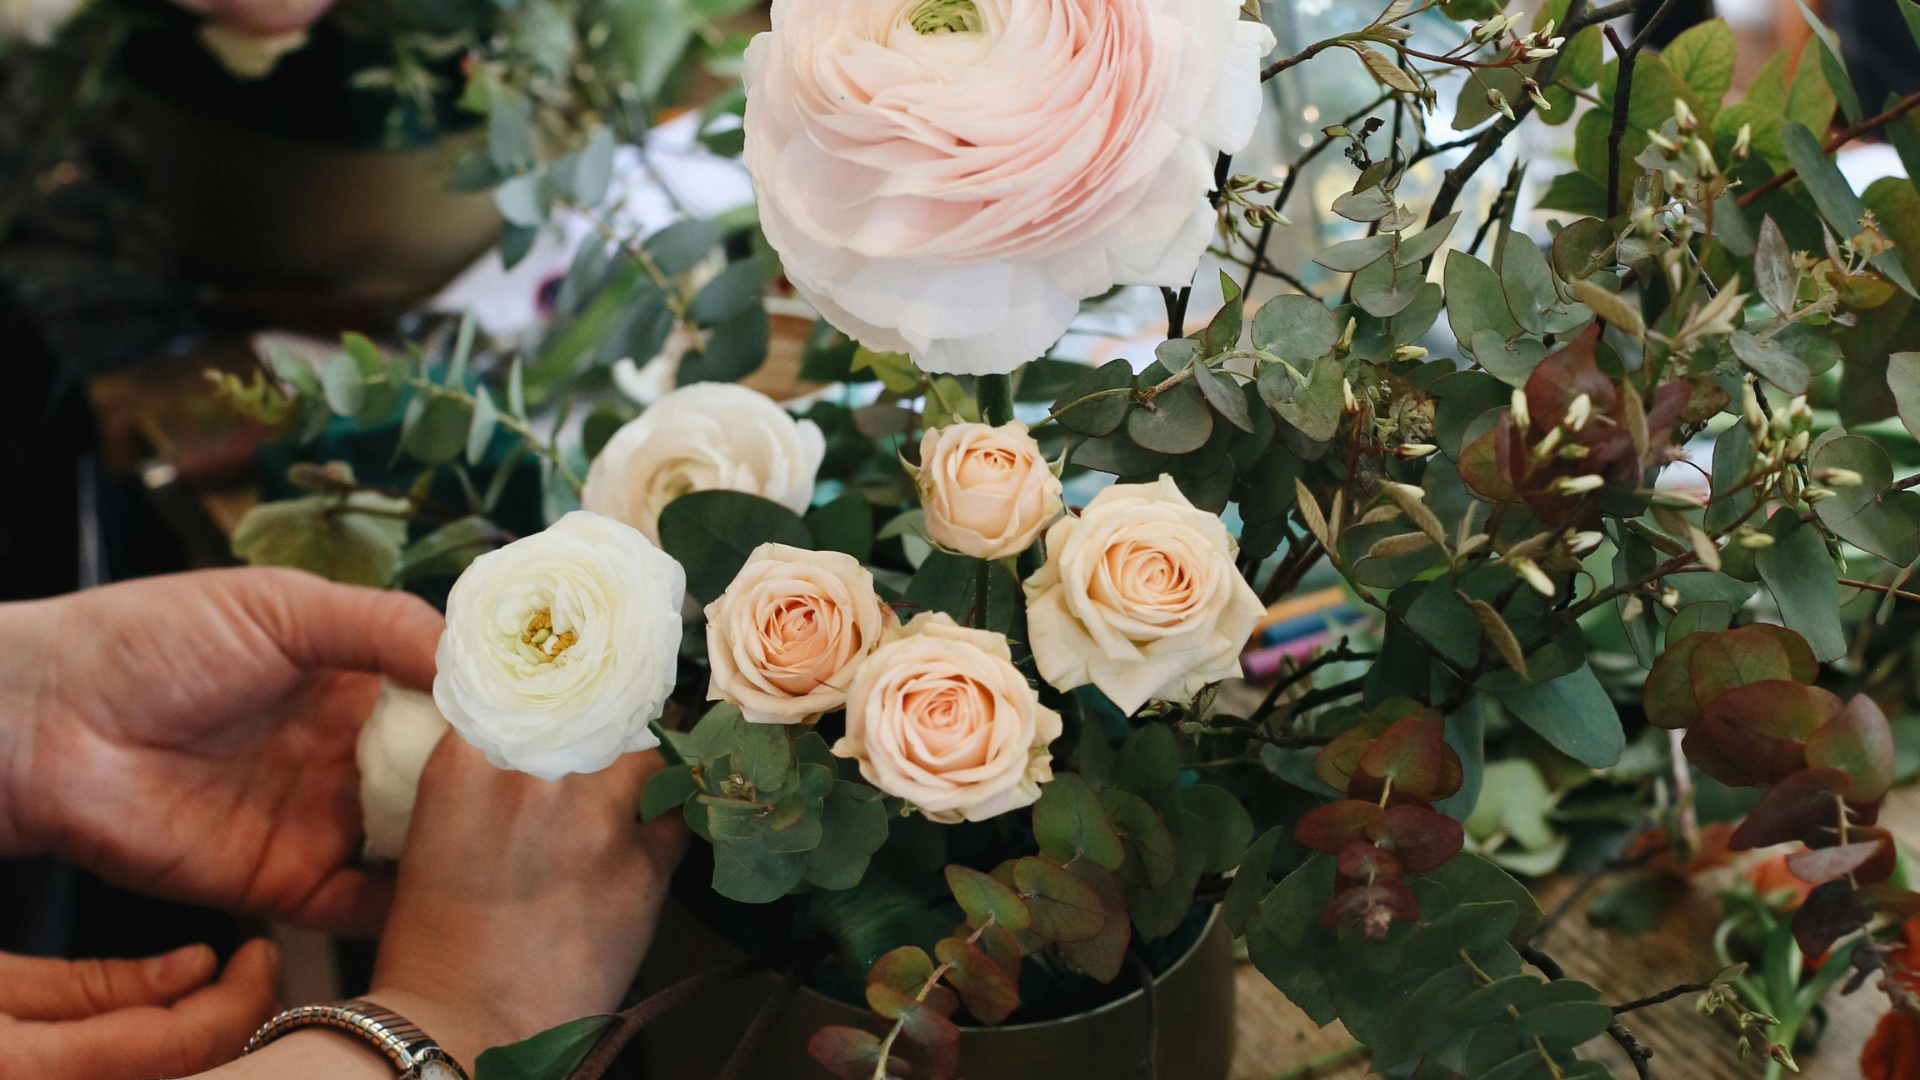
<point x="23" y="703"/>
<point x="462" y="1029"/>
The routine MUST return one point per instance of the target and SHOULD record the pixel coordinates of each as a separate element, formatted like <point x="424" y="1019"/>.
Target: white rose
<point x="394" y="747"/>
<point x="950" y="178"/>
<point x="560" y="648"/>
<point x="940" y="717"/>
<point x="987" y="490"/>
<point x="1140" y="597"/>
<point x="786" y="636"/>
<point x="704" y="437"/>
<point x="36" y="22"/>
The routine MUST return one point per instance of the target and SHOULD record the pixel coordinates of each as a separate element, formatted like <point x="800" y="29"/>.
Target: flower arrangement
<point x="964" y="641"/>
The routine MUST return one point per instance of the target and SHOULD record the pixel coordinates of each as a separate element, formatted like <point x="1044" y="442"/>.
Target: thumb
<point x="201" y="1030"/>
<point x="38" y="988"/>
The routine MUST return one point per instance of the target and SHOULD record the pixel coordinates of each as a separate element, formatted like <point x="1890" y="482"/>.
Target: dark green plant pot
<point x="1194" y="1032"/>
<point x="302" y="232"/>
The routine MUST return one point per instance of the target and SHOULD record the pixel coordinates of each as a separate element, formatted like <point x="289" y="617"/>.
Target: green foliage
<point x="550" y="1055"/>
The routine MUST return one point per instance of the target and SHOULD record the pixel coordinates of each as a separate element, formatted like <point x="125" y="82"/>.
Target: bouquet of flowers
<point x="985" y="742"/>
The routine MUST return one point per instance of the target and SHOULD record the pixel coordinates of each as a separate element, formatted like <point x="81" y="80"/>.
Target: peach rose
<point x="950" y="178"/>
<point x="940" y="717"/>
<point x="987" y="490"/>
<point x="786" y="636"/>
<point x="1140" y="597"/>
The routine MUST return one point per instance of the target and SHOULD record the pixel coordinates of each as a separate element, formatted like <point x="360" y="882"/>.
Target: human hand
<point x="117" y="1019"/>
<point x="192" y="736"/>
<point x="522" y="903"/>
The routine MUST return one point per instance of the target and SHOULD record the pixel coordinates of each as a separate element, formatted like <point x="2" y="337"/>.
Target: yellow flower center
<point x="539" y="634"/>
<point x="946" y="17"/>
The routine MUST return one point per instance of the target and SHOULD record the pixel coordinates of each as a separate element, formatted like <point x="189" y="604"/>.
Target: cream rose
<point x="704" y="437"/>
<point x="560" y="648"/>
<point x="249" y="37"/>
<point x="395" y="743"/>
<point x="1140" y="597"/>
<point x="784" y="639"/>
<point x="950" y="178"/>
<point x="987" y="490"/>
<point x="940" y="717"/>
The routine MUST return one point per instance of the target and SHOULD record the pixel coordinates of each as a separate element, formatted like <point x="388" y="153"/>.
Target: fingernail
<point x="188" y="964"/>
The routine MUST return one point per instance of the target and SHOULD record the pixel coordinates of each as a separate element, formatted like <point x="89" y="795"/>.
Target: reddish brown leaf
<point x="1731" y="658"/>
<point x="1420" y="839"/>
<point x="1890" y="900"/>
<point x="1377" y="906"/>
<point x="850" y="1053"/>
<point x="1793" y="809"/>
<point x="1332" y="827"/>
<point x="1751" y="734"/>
<point x="918" y="1020"/>
<point x="1480" y="466"/>
<point x="1337" y="761"/>
<point x="1104" y="954"/>
<point x="1064" y="907"/>
<point x="1800" y="662"/>
<point x="1858" y="742"/>
<point x="1831" y="912"/>
<point x="906" y="969"/>
<point x="1668" y="694"/>
<point x="1565" y="374"/>
<point x="1825" y="864"/>
<point x="989" y="994"/>
<point x="1001" y="944"/>
<point x="1776" y="708"/>
<point x="1414" y="756"/>
<point x="1892" y="1052"/>
<point x="1365" y="862"/>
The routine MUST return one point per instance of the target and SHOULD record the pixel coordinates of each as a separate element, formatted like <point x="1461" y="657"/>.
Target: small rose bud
<point x="1579" y="485"/>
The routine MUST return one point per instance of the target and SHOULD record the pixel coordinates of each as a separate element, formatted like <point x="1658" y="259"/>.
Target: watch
<point x="409" y="1049"/>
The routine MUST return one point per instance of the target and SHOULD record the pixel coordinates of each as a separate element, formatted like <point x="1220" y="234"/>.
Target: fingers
<point x="323" y="625"/>
<point x="199" y="1031"/>
<point x="38" y="988"/>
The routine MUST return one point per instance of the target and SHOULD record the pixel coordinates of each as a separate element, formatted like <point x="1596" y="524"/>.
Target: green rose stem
<point x="996" y="398"/>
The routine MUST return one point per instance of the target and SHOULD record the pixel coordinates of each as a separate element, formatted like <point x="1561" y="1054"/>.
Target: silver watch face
<point x="438" y="1070"/>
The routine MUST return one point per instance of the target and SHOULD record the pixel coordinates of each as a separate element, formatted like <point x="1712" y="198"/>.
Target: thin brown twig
<point x="1906" y="105"/>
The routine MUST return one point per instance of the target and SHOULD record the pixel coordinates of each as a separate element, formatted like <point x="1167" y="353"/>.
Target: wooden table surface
<point x="1275" y="1038"/>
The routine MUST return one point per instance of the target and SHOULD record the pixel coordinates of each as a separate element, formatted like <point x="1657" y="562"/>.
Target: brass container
<point x="1194" y="1029"/>
<point x="305" y="232"/>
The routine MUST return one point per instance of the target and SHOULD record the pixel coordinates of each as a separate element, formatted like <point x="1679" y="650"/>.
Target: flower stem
<point x="996" y="398"/>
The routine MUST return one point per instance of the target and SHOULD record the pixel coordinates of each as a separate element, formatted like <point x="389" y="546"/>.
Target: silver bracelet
<point x="404" y="1045"/>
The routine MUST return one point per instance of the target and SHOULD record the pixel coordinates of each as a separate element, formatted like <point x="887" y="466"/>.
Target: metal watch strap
<point x="403" y="1044"/>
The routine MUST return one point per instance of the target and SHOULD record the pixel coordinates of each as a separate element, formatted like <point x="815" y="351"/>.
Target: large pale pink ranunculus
<point x="950" y="178"/>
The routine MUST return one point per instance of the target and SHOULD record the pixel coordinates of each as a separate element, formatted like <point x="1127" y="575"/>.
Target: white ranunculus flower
<point x="987" y="491"/>
<point x="940" y="717"/>
<point x="786" y="636"/>
<point x="1140" y="597"/>
<point x="560" y="648"/>
<point x="950" y="178"/>
<point x="36" y="22"/>
<point x="704" y="437"/>
<point x="395" y="744"/>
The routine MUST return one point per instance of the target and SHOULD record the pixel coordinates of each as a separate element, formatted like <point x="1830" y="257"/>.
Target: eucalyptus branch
<point x="1623" y="98"/>
<point x="548" y="450"/>
<point x="1663" y="996"/>
<point x="900" y="1024"/>
<point x="1302" y="56"/>
<point x="1637" y="1052"/>
<point x="1903" y="107"/>
<point x="1887" y="589"/>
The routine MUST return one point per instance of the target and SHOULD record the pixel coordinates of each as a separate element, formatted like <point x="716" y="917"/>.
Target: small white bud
<point x="1797" y="446"/>
<point x="1346" y="392"/>
<point x="1535" y="576"/>
<point x="1498" y="101"/>
<point x="1668" y="148"/>
<point x="1579" y="485"/>
<point x="1815" y="494"/>
<point x="1416" y="449"/>
<point x="1518" y="411"/>
<point x="1409" y="352"/>
<point x="1582" y="542"/>
<point x="1840" y="478"/>
<point x="1752" y="538"/>
<point x="1683" y="116"/>
<point x="1579" y="412"/>
<point x="1743" y="142"/>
